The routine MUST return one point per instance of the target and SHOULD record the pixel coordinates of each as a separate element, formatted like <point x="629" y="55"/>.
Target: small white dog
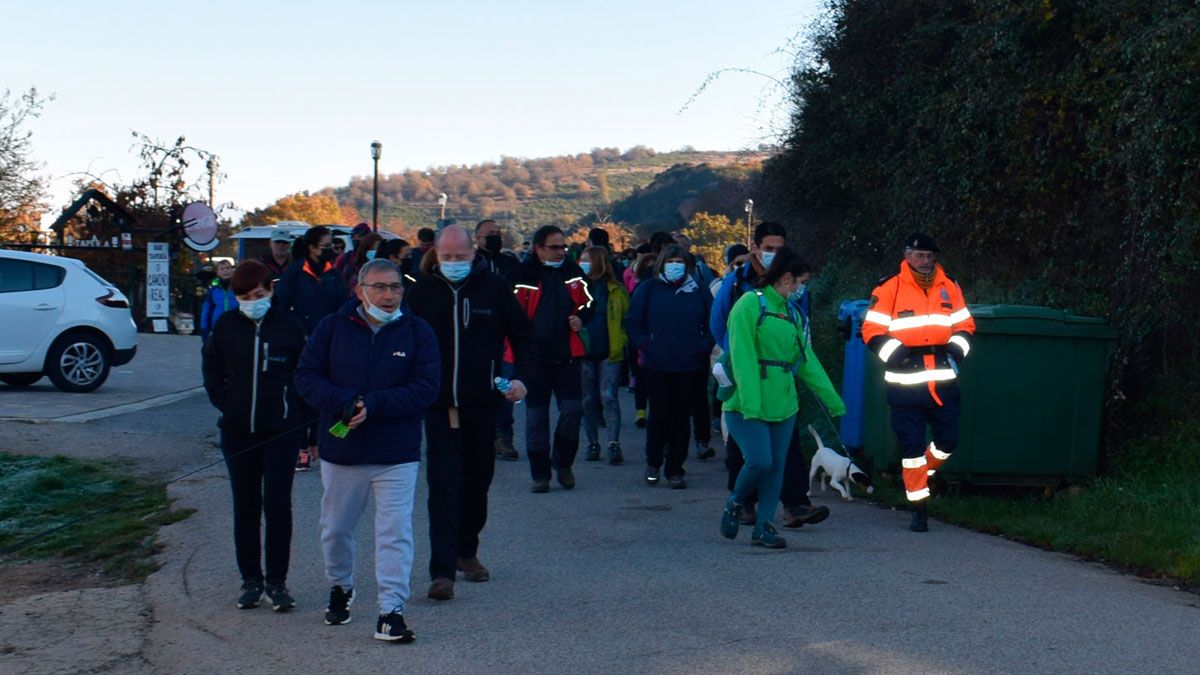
<point x="838" y="470"/>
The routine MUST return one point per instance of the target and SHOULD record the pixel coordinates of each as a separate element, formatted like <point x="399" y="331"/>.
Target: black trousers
<point x="672" y="399"/>
<point x="261" y="481"/>
<point x="701" y="415"/>
<point x="459" y="469"/>
<point x="795" y="472"/>
<point x="564" y="382"/>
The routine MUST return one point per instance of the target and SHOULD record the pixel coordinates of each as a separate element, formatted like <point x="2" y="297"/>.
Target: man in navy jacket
<point x="376" y="367"/>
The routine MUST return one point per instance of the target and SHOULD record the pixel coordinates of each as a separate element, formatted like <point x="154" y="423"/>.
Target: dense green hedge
<point x="1050" y="145"/>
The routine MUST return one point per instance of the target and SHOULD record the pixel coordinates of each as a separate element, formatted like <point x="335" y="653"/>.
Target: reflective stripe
<point x="888" y="349"/>
<point x="961" y="342"/>
<point x="879" y="318"/>
<point x="920" y="377"/>
<point x="961" y="315"/>
<point x="938" y="454"/>
<point x="532" y="288"/>
<point x="913" y="462"/>
<point x="917" y="496"/>
<point x="920" y="321"/>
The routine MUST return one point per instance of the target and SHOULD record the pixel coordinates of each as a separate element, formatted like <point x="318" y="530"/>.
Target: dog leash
<point x="829" y="418"/>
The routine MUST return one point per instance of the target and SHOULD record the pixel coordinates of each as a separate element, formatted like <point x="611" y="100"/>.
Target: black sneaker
<point x="676" y="482"/>
<point x="566" y="478"/>
<point x="615" y="457"/>
<point x="593" y="452"/>
<point x="391" y="627"/>
<point x="251" y="593"/>
<point x="704" y="450"/>
<point x="540" y="487"/>
<point x="338" y="611"/>
<point x="281" y="600"/>
<point x="651" y="475"/>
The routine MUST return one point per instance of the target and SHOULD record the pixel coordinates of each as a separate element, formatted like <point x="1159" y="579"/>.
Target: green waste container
<point x="1032" y="398"/>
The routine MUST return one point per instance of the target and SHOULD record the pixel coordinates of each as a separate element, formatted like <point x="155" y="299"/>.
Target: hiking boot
<point x="281" y="600"/>
<point x="651" y="475"/>
<point x="731" y="517"/>
<point x="639" y="419"/>
<point x="505" y="449"/>
<point x="797" y="517"/>
<point x="676" y="482"/>
<point x="540" y="487"/>
<point x="338" y="610"/>
<point x="473" y="570"/>
<point x="441" y="589"/>
<point x="615" y="457"/>
<point x="920" y="518"/>
<point x="251" y="593"/>
<point x="593" y="452"/>
<point x="749" y="514"/>
<point x="766" y="535"/>
<point x="303" y="461"/>
<point x="566" y="478"/>
<point x="391" y="627"/>
<point x="704" y="451"/>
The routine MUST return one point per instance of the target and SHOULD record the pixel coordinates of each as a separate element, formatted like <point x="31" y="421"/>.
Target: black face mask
<point x="493" y="243"/>
<point x="327" y="255"/>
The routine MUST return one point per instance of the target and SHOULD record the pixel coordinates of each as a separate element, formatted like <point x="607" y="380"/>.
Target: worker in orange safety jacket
<point x="919" y="326"/>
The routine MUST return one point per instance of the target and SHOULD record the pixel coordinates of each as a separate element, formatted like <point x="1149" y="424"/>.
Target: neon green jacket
<point x="777" y="339"/>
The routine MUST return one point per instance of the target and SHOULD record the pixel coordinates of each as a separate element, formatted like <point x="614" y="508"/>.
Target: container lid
<point x="1046" y="321"/>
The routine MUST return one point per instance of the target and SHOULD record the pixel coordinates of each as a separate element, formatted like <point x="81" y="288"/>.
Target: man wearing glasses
<point x="371" y="371"/>
<point x="552" y="291"/>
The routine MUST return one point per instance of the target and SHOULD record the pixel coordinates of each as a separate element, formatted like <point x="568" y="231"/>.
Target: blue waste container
<point x="850" y="316"/>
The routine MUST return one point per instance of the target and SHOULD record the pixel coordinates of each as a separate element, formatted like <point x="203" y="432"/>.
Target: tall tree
<point x="22" y="190"/>
<point x="319" y="209"/>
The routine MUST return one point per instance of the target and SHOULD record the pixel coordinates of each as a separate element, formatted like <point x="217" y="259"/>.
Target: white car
<point x="60" y="320"/>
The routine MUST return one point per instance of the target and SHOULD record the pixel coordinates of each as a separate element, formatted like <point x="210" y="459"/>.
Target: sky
<point x="290" y="95"/>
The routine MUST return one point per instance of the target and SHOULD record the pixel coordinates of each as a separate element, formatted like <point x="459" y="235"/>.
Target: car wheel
<point x="78" y="363"/>
<point x="20" y="379"/>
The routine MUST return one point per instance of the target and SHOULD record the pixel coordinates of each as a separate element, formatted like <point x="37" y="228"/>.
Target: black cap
<point x="598" y="236"/>
<point x="734" y="251"/>
<point x="918" y="241"/>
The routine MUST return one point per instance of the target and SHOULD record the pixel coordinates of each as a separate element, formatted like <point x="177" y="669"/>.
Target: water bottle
<point x="503" y="384"/>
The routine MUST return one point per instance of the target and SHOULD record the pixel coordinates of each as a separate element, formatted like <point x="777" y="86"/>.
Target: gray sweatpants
<point x="346" y="490"/>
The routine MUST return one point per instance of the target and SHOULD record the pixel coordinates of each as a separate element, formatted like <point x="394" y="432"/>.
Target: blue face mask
<point x="380" y="315"/>
<point x="552" y="263"/>
<point x="455" y="270"/>
<point x="371" y="254"/>
<point x="674" y="271"/>
<point x="255" y="309"/>
<point x="795" y="295"/>
<point x="768" y="257"/>
<point x="586" y="267"/>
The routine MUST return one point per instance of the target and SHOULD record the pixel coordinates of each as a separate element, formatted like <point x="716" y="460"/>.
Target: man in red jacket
<point x="553" y="292"/>
<point x="919" y="326"/>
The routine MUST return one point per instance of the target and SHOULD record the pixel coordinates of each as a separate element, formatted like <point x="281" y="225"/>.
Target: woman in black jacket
<point x="248" y="365"/>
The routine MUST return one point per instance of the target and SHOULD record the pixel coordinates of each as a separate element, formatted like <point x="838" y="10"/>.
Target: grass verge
<point x="38" y="494"/>
<point x="1144" y="517"/>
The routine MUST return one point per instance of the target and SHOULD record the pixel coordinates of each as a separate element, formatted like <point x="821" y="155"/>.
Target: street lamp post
<point x="376" y="153"/>
<point x="212" y="178"/>
<point x="442" y="199"/>
<point x="749" y="221"/>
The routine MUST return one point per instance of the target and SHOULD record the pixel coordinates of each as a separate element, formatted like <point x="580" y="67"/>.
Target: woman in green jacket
<point x="768" y="353"/>
<point x="605" y="357"/>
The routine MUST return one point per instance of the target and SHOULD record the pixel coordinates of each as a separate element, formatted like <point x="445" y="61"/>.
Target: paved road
<point x="164" y="365"/>
<point x="613" y="576"/>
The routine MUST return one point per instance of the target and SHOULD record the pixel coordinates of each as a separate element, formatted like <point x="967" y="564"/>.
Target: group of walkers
<point x="349" y="360"/>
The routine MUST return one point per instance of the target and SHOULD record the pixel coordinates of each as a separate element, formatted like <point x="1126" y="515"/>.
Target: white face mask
<point x="380" y="315"/>
<point x="552" y="263"/>
<point x="255" y="309"/>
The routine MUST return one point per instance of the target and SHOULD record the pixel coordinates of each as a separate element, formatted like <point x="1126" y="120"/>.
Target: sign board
<point x="199" y="227"/>
<point x="158" y="280"/>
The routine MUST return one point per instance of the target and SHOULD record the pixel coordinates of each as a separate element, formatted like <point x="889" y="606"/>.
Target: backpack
<point x="723" y="368"/>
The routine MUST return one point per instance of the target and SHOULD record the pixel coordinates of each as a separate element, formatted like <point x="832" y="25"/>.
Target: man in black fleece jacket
<point x="472" y="312"/>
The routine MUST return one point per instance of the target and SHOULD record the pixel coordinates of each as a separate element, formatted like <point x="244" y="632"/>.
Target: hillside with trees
<point x="571" y="191"/>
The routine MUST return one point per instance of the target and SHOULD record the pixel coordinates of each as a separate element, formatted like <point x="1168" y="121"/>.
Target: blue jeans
<point x="765" y="447"/>
<point x="600" y="386"/>
<point x="394" y="487"/>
